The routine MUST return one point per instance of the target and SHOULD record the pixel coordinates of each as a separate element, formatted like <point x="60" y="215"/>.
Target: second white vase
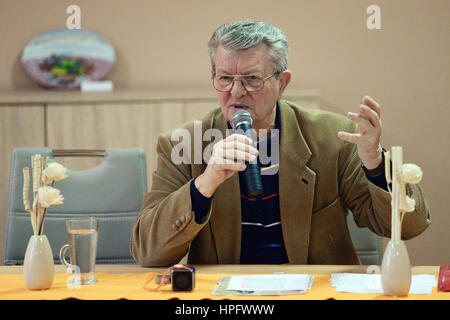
<point x="396" y="269"/>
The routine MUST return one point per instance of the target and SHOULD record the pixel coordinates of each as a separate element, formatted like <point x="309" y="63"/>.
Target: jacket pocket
<point x="327" y="208"/>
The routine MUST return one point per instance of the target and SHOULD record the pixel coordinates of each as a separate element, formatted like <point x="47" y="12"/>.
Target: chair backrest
<point x="367" y="244"/>
<point x="113" y="192"/>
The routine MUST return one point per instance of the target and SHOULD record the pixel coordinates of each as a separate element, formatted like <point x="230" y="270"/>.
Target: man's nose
<point x="238" y="89"/>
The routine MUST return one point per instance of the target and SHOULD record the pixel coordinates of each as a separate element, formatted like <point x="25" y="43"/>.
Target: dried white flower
<point x="411" y="173"/>
<point x="54" y="172"/>
<point x="49" y="196"/>
<point x="407" y="204"/>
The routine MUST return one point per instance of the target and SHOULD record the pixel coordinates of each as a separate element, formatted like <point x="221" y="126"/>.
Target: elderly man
<point x="327" y="165"/>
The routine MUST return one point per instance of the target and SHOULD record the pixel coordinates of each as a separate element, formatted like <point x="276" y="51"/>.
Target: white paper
<point x="371" y="283"/>
<point x="275" y="282"/>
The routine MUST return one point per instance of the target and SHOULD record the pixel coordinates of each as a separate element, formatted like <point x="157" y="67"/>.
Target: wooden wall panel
<point x="196" y="110"/>
<point x="102" y="126"/>
<point x="20" y="126"/>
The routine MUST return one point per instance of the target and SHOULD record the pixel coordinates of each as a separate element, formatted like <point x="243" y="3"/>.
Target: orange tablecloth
<point x="130" y="286"/>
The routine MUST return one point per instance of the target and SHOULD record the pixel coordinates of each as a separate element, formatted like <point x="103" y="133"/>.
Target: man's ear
<point x="285" y="78"/>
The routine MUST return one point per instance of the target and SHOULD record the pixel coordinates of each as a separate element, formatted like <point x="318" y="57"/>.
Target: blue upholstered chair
<point x="113" y="192"/>
<point x="367" y="244"/>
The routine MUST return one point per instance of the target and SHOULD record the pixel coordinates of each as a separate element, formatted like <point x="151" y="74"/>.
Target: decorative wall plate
<point x="61" y="59"/>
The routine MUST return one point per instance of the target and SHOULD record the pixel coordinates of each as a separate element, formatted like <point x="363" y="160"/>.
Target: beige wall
<point x="405" y="66"/>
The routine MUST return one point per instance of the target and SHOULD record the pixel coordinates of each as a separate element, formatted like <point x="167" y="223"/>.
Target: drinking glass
<point x="82" y="234"/>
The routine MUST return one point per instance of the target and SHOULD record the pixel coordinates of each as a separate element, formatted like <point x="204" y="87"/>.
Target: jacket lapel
<point x="296" y="187"/>
<point x="225" y="220"/>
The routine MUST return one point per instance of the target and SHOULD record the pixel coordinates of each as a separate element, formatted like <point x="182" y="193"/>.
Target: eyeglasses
<point x="250" y="83"/>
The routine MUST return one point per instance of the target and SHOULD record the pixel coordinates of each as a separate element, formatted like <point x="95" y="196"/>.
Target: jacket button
<point x="182" y="219"/>
<point x="178" y="223"/>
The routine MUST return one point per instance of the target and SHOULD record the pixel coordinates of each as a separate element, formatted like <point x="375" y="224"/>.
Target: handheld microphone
<point x="242" y="120"/>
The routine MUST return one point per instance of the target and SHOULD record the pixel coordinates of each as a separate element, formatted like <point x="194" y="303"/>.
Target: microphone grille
<point x="241" y="116"/>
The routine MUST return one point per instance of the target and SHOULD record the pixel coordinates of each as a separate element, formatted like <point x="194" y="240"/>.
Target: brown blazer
<point x="320" y="179"/>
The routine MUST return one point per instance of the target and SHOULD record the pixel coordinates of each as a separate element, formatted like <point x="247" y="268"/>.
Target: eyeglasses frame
<point x="239" y="78"/>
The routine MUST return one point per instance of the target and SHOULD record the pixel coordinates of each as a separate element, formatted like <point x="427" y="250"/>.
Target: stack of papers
<point x="371" y="283"/>
<point x="274" y="284"/>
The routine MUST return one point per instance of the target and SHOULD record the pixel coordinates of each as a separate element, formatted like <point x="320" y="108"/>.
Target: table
<point x="127" y="281"/>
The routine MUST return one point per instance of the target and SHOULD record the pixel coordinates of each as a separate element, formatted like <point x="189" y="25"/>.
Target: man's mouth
<point x="239" y="106"/>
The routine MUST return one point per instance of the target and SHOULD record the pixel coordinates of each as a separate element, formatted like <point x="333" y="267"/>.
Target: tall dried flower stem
<point x="26" y="199"/>
<point x="37" y="164"/>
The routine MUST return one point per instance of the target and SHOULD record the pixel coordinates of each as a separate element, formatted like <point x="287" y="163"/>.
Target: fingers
<point x="369" y="125"/>
<point x="371" y="115"/>
<point x="234" y="148"/>
<point x="237" y="145"/>
<point x="372" y="104"/>
<point x="349" y="137"/>
<point x="227" y="164"/>
<point x="236" y="137"/>
<point x="367" y="138"/>
<point x="234" y="154"/>
<point x="364" y="124"/>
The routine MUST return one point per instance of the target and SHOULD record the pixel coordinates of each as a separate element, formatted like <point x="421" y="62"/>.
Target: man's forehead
<point x="244" y="72"/>
<point x="251" y="60"/>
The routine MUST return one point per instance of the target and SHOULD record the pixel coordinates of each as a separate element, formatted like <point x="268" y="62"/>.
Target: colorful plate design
<point x="61" y="59"/>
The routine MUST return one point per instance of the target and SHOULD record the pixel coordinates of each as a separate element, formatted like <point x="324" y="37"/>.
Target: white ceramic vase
<point x="38" y="267"/>
<point x="396" y="269"/>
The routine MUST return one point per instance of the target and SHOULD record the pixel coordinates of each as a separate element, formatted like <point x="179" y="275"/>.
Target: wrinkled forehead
<point x="244" y="61"/>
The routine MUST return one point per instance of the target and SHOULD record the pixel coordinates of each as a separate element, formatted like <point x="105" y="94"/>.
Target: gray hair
<point x="246" y="34"/>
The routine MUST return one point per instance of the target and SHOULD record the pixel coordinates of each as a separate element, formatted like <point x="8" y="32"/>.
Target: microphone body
<point x="242" y="121"/>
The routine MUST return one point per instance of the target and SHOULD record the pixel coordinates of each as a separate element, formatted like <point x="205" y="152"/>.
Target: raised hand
<point x="367" y="137"/>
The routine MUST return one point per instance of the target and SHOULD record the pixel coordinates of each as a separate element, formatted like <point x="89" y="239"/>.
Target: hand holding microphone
<point x="228" y="156"/>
